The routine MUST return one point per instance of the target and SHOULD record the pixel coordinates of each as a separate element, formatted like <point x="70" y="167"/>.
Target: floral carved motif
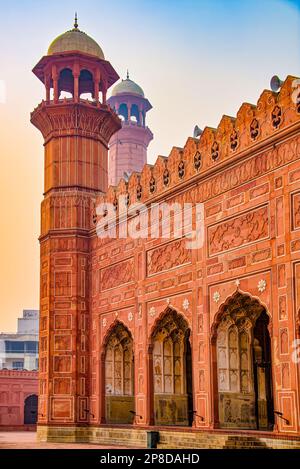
<point x="197" y="161"/>
<point x="296" y="210"/>
<point x="254" y="129"/>
<point x="276" y="116"/>
<point x="244" y="229"/>
<point x="166" y="177"/>
<point x="234" y="140"/>
<point x="262" y="285"/>
<point x="216" y="296"/>
<point x="168" y="256"/>
<point x="139" y="191"/>
<point x="117" y="274"/>
<point x="181" y="169"/>
<point x="152" y="185"/>
<point x="215" y="151"/>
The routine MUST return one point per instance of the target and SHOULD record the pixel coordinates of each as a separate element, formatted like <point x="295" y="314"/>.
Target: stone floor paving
<point x="27" y="440"/>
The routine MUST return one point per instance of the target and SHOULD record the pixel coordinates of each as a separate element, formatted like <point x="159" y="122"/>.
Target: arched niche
<point x="119" y="375"/>
<point x="242" y="349"/>
<point x="172" y="370"/>
<point x="31" y="409"/>
<point x="86" y="84"/>
<point x="123" y="111"/>
<point x="135" y="114"/>
<point x="66" y="81"/>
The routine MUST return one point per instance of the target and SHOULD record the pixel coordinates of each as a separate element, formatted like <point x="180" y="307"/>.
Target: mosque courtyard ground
<point x="27" y="440"/>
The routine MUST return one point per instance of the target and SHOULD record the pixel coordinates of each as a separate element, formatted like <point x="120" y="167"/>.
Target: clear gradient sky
<point x="195" y="60"/>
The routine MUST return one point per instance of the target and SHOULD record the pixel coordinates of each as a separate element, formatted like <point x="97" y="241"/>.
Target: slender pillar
<point x="55" y="83"/>
<point x="47" y="86"/>
<point x="96" y="86"/>
<point x="76" y="75"/>
<point x="141" y="117"/>
<point x="150" y="388"/>
<point x="104" y="95"/>
<point x="102" y="390"/>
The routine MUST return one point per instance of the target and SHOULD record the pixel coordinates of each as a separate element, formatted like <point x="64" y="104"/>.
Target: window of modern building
<point x="18" y="365"/>
<point x="14" y="346"/>
<point x="30" y="347"/>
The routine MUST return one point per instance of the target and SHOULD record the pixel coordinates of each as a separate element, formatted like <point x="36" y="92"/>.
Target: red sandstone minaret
<point x="76" y="134"/>
<point x="128" y="146"/>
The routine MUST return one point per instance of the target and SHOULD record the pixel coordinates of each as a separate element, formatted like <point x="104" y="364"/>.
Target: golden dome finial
<point x="76" y="21"/>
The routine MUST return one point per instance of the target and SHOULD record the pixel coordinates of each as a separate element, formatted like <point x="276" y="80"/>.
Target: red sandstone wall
<point x="251" y="195"/>
<point x="15" y="387"/>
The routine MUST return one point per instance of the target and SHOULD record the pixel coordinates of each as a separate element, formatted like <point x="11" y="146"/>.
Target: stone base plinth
<point x="137" y="438"/>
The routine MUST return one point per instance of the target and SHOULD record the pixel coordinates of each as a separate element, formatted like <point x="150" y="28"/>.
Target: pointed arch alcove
<point x="242" y="364"/>
<point x="171" y="370"/>
<point x="119" y="375"/>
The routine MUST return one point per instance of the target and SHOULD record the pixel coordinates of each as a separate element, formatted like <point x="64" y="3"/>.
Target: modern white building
<point x="19" y="351"/>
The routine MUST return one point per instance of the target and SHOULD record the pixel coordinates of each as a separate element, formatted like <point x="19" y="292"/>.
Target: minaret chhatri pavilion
<point x="128" y="146"/>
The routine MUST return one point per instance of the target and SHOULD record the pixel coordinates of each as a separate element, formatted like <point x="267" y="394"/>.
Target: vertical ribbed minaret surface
<point x="128" y="146"/>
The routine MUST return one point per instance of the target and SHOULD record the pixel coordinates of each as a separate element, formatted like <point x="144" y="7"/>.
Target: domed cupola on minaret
<point x="128" y="146"/>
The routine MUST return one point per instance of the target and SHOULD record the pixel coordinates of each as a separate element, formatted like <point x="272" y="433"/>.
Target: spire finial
<point x="127" y="74"/>
<point x="76" y="21"/>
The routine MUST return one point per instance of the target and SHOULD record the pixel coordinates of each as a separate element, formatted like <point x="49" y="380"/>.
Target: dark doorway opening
<point x="189" y="382"/>
<point x="31" y="410"/>
<point x="264" y="404"/>
<point x="172" y="371"/>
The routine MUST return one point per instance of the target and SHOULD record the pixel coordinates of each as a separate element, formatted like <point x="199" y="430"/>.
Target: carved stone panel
<point x="117" y="274"/>
<point x="167" y="256"/>
<point x="62" y="364"/>
<point x="282" y="308"/>
<point x="244" y="229"/>
<point x="62" y="385"/>
<point x="62" y="283"/>
<point x="62" y="342"/>
<point x="62" y="321"/>
<point x="296" y="211"/>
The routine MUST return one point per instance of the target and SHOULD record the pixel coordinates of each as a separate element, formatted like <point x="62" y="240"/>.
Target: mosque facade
<point x="157" y="332"/>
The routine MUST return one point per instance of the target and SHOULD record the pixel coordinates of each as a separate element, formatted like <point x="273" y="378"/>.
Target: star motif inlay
<point x="262" y="284"/>
<point x="130" y="316"/>
<point x="216" y="296"/>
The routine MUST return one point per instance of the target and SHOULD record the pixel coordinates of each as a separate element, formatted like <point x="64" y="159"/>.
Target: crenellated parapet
<point x="254" y="128"/>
